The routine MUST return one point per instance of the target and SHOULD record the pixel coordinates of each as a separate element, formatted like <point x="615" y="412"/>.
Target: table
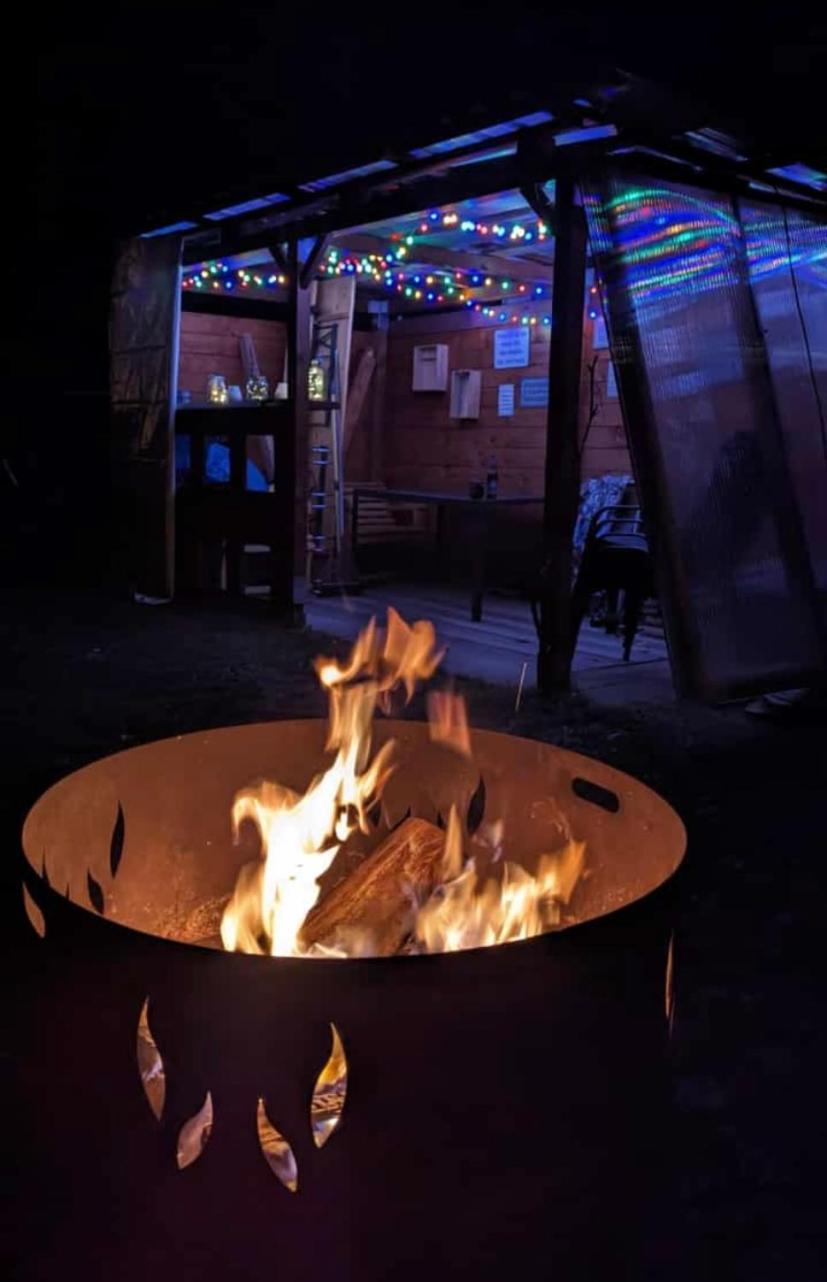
<point x="480" y="511"/>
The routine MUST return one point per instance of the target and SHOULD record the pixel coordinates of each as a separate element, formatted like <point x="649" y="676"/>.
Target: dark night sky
<point x="153" y="106"/>
<point x="148" y="112"/>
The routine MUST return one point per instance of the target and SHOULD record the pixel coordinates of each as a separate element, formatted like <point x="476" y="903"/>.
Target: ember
<point x="419" y="888"/>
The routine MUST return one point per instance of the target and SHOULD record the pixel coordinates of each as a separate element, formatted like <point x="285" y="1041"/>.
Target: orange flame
<point x="465" y="913"/>
<point x="302" y="834"/>
<point x="448" y="721"/>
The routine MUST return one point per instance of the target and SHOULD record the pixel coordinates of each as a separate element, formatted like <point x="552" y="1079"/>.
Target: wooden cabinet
<point x="466" y="388"/>
<point x="430" y="367"/>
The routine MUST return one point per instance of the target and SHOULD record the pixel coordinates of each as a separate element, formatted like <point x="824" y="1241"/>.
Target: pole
<point x="291" y="447"/>
<point x="562" y="480"/>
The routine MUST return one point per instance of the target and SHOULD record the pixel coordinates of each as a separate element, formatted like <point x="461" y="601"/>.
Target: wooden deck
<point x="496" y="648"/>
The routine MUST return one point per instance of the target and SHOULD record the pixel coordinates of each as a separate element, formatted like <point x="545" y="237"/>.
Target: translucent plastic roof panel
<point x="801" y="174"/>
<point x="247" y="206"/>
<point x="587" y="134"/>
<point x="715" y="142"/>
<point x="448" y="145"/>
<point x="495" y="153"/>
<point x="362" y="171"/>
<point x="167" y="231"/>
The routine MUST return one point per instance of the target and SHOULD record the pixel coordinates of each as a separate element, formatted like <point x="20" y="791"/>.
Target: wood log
<point x="372" y="910"/>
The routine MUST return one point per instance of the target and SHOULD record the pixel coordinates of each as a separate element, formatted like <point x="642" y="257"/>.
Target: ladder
<point x="326" y="501"/>
<point x="327" y="563"/>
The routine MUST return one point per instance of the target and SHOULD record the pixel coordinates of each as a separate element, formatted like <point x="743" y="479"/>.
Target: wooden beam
<point x="535" y="197"/>
<point x="291" y="448"/>
<point x="311" y="262"/>
<point x="379" y="407"/>
<point x="436" y="256"/>
<point x="335" y="214"/>
<point x="439" y="320"/>
<point x="276" y="250"/>
<point x="562" y="482"/>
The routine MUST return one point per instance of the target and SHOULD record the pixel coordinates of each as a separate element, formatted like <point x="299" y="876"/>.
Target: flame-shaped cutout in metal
<point x="34" y="913"/>
<point x="150" y="1064"/>
<point x="116" y="841"/>
<point x="277" y="1152"/>
<point x="476" y="807"/>
<point x="95" y="893"/>
<point x="194" y="1134"/>
<point x="329" y="1093"/>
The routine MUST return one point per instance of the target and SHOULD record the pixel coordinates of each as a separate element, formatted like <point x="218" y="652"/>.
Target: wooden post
<point x="291" y="447"/>
<point x="238" y="485"/>
<point x="562" y="487"/>
<point x="377" y="421"/>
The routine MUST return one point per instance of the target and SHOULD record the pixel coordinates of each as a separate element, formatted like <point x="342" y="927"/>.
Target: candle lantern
<point x="217" y="391"/>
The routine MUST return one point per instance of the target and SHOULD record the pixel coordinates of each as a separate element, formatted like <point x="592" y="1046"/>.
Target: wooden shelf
<point x="230" y="420"/>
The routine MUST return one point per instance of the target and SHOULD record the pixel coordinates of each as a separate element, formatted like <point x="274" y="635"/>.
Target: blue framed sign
<point x="533" y="393"/>
<point x="512" y="347"/>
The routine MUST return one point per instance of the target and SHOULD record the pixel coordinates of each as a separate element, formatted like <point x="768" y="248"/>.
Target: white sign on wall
<point x="505" y="400"/>
<point x="512" y="347"/>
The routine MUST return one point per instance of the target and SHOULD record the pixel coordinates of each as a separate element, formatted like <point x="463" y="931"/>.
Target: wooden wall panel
<point x="209" y="344"/>
<point x="425" y="448"/>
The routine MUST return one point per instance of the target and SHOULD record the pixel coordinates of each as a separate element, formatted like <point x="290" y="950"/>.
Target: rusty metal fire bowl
<point x="491" y="1109"/>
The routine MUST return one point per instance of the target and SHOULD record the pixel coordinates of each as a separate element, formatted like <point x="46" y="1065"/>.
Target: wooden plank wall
<point x="424" y="448"/>
<point x="209" y="344"/>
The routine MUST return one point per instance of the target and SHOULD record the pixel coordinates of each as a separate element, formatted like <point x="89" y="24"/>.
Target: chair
<point x="615" y="559"/>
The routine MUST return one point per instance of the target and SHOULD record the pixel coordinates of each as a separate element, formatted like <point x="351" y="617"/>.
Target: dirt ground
<point x="87" y="676"/>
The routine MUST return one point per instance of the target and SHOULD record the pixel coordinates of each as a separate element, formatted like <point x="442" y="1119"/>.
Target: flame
<point x="448" y="721"/>
<point x="466" y="913"/>
<point x="301" y="835"/>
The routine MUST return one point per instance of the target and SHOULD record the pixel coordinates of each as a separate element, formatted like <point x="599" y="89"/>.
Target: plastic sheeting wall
<point x="787" y="254"/>
<point x="724" y="422"/>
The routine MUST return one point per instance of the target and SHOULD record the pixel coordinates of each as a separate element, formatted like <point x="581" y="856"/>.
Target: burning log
<point x="373" y="909"/>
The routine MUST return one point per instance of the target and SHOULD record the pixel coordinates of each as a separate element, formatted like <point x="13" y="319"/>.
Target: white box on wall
<point x="430" y="367"/>
<point x="466" y="389"/>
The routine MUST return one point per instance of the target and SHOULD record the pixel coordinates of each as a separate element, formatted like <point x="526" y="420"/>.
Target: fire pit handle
<point x="596" y="794"/>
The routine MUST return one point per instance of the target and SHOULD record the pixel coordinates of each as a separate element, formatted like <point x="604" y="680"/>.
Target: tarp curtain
<point x="718" y="317"/>
<point x="143" y="344"/>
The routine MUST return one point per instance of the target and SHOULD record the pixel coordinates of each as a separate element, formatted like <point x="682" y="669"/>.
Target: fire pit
<point x="383" y="1094"/>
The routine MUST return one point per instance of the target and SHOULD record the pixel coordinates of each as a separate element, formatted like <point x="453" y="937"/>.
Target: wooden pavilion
<point x="605" y="273"/>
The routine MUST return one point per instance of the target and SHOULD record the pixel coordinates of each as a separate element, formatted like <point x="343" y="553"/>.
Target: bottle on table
<point x="491" y="479"/>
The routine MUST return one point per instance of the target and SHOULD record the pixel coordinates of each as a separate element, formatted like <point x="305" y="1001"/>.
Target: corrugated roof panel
<point x="801" y="174"/>
<point x="167" y="231"/>
<point x="587" y="134"/>
<point x="247" y="206"/>
<point x="480" y="135"/>
<point x="535" y="118"/>
<point x="493" y="153"/>
<point x="716" y="143"/>
<point x="361" y="171"/>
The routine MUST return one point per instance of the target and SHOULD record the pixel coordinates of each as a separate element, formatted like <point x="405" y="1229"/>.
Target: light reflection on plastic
<point x="668" y="242"/>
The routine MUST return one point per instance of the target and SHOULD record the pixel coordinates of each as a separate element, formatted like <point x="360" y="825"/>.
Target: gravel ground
<point x="87" y="676"/>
